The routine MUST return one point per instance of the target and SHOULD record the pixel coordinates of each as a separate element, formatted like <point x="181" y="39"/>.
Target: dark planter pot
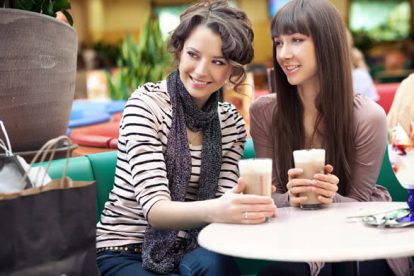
<point x="37" y="77"/>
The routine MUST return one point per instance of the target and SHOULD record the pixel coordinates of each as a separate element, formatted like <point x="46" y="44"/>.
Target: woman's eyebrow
<point x="195" y="50"/>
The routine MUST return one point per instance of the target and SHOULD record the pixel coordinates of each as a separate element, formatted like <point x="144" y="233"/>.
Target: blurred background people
<point x="362" y="81"/>
<point x="402" y="108"/>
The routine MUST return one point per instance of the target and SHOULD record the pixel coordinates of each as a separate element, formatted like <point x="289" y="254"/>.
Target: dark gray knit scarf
<point x="160" y="252"/>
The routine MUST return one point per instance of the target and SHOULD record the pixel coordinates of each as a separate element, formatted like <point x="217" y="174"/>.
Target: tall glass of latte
<point x="257" y="175"/>
<point x="311" y="161"/>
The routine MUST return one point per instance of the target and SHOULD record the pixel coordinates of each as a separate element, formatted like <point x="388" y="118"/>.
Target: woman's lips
<point x="291" y="69"/>
<point x="199" y="83"/>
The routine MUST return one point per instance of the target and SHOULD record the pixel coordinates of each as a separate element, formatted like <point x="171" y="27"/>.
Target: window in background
<point x="275" y="5"/>
<point x="381" y="20"/>
<point x="169" y="16"/>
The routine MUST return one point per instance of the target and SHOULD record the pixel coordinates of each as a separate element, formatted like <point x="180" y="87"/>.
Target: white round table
<point x="325" y="235"/>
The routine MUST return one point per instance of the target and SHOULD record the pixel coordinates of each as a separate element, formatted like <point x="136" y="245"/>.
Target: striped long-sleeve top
<point x="140" y="175"/>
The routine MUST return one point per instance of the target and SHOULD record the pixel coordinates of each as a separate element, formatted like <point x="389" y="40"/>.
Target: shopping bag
<point x="49" y="230"/>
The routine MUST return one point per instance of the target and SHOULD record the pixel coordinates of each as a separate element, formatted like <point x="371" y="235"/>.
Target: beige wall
<point x="258" y="14"/>
<point x="127" y="16"/>
<point x="79" y="20"/>
<point x="110" y="20"/>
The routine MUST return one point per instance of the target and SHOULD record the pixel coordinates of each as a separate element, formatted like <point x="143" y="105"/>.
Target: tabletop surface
<point x="313" y="235"/>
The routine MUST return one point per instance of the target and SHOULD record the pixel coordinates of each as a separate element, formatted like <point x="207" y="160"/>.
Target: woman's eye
<point x="278" y="43"/>
<point x="192" y="54"/>
<point x="297" y="40"/>
<point x="219" y="62"/>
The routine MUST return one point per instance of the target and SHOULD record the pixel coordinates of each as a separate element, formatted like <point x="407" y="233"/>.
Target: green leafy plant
<point x="47" y="7"/>
<point x="145" y="61"/>
<point x="108" y="52"/>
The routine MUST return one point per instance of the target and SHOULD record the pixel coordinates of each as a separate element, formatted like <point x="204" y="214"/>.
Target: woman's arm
<point x="230" y="206"/>
<point x="234" y="137"/>
<point x="261" y="112"/>
<point x="370" y="132"/>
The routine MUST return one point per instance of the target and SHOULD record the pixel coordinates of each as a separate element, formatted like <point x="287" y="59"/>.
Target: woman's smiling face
<point x="203" y="68"/>
<point x="295" y="54"/>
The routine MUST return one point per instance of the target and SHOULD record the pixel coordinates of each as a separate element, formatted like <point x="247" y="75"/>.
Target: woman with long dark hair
<point x="315" y="107"/>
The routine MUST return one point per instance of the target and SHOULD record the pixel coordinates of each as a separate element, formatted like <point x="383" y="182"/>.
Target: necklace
<point x="194" y="138"/>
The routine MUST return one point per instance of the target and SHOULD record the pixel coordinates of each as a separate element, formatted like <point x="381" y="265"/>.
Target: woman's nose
<point x="201" y="67"/>
<point x="285" y="52"/>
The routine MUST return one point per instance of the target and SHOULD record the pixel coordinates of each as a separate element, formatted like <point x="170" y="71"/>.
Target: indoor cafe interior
<point x="118" y="45"/>
<point x="381" y="31"/>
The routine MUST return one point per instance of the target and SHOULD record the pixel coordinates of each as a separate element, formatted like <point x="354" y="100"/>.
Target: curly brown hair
<point x="231" y="24"/>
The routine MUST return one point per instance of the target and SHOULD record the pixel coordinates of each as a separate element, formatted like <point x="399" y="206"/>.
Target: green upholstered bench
<point x="388" y="179"/>
<point x="101" y="168"/>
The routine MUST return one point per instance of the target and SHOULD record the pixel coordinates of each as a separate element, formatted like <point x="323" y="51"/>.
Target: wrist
<point x="209" y="213"/>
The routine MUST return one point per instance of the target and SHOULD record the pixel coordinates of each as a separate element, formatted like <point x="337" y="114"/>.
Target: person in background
<point x="178" y="152"/>
<point x="315" y="107"/>
<point x="61" y="17"/>
<point x="402" y="108"/>
<point x="361" y="79"/>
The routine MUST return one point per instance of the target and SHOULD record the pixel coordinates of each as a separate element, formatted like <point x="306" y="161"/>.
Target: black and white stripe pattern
<point x="140" y="175"/>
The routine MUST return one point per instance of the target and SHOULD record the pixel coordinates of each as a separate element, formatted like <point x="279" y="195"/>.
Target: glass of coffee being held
<point x="311" y="162"/>
<point x="257" y="176"/>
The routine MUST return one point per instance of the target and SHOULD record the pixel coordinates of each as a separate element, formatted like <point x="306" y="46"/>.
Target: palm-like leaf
<point x="146" y="61"/>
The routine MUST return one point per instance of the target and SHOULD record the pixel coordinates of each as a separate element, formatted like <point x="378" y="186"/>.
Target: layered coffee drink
<point x="311" y="161"/>
<point x="257" y="175"/>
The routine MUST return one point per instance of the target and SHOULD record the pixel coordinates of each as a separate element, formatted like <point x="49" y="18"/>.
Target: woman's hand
<point x="235" y="207"/>
<point x="325" y="185"/>
<point x="296" y="186"/>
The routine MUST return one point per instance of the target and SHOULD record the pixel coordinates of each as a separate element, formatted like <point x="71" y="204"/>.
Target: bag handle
<point x="7" y="148"/>
<point x="50" y="147"/>
<point x="9" y="153"/>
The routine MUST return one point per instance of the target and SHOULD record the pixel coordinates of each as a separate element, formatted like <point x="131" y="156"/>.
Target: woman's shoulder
<point x="229" y="114"/>
<point x="365" y="107"/>
<point x="155" y="90"/>
<point x="367" y="112"/>
<point x="263" y="106"/>
<point x="151" y="94"/>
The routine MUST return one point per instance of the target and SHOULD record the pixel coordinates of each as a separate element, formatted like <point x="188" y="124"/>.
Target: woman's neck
<point x="308" y="93"/>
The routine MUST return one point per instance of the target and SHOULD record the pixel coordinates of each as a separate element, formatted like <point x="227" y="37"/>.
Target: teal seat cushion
<point x="79" y="168"/>
<point x="103" y="167"/>
<point x="249" y="149"/>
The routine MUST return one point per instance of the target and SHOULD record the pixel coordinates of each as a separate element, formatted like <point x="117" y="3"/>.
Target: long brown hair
<point x="320" y="20"/>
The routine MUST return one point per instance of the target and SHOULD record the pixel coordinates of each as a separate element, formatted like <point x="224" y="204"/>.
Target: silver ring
<point x="245" y="215"/>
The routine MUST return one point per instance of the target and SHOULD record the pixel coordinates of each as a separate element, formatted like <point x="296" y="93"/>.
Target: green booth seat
<point x="101" y="168"/>
<point x="249" y="150"/>
<point x="388" y="179"/>
<point x="79" y="168"/>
